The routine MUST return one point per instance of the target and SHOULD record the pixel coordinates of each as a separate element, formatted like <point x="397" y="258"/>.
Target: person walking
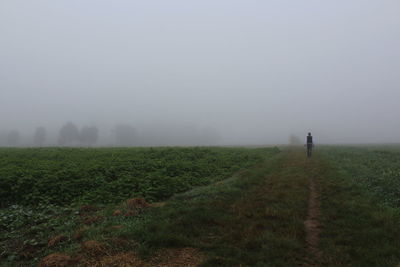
<point x="310" y="145"/>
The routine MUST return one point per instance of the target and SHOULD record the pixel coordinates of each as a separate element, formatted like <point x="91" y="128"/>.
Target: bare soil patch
<point x="56" y="260"/>
<point x="179" y="257"/>
<point x="57" y="240"/>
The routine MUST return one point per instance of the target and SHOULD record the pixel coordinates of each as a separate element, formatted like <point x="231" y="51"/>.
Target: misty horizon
<point x="202" y="73"/>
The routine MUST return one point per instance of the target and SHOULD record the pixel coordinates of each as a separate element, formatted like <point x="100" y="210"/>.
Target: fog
<point x="182" y="72"/>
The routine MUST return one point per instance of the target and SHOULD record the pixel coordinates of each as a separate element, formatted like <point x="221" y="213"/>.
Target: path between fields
<point x="312" y="224"/>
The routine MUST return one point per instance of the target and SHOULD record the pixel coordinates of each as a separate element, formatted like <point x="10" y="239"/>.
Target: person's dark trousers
<point x="309" y="149"/>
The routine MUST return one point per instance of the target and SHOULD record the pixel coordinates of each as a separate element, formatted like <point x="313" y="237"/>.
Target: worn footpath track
<point x="312" y="224"/>
<point x="276" y="221"/>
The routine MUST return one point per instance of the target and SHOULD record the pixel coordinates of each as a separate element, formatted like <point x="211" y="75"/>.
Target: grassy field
<point x="201" y="206"/>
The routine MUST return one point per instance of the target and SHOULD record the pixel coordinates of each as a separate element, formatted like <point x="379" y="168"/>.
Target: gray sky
<point x="256" y="71"/>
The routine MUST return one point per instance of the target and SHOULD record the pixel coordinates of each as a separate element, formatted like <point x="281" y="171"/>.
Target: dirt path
<point x="312" y="224"/>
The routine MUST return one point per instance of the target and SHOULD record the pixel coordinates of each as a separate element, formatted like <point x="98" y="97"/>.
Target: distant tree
<point x="125" y="135"/>
<point x="13" y="138"/>
<point x="40" y="136"/>
<point x="89" y="135"/>
<point x="69" y="134"/>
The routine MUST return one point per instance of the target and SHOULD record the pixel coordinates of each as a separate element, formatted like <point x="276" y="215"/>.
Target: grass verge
<point x="357" y="229"/>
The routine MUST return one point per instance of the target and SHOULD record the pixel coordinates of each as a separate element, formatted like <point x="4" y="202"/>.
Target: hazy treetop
<point x="256" y="71"/>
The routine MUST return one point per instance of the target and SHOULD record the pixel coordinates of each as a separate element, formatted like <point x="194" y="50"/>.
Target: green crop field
<point x="200" y="206"/>
<point x="376" y="168"/>
<point x="41" y="189"/>
<point x="110" y="175"/>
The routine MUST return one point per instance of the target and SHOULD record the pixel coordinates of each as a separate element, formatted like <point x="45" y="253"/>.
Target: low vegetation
<point x="226" y="207"/>
<point x="359" y="206"/>
<point x="63" y="176"/>
<point x="48" y="191"/>
<point x="375" y="168"/>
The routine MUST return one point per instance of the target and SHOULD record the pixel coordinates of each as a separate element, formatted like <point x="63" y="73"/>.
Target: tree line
<point x="69" y="135"/>
<point x="120" y="135"/>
